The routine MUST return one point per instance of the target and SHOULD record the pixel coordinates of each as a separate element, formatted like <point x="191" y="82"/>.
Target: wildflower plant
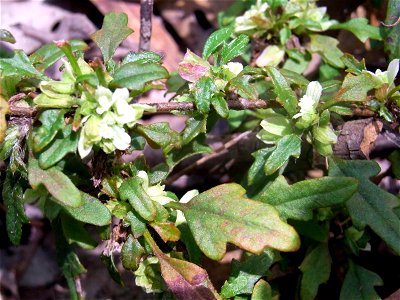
<point x="64" y="143"/>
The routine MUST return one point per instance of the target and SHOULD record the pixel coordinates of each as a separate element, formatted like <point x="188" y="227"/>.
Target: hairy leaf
<point x="359" y="284"/>
<point x="244" y="87"/>
<point x="297" y="201"/>
<point x="167" y="231"/>
<point x="74" y="232"/>
<point x="262" y="291"/>
<point x="220" y="105"/>
<point x="286" y="95"/>
<point x="56" y="182"/>
<point x="194" y="126"/>
<point x="112" y="33"/>
<point x="49" y="54"/>
<point x="67" y="260"/>
<point x="65" y="143"/>
<point x="360" y="28"/>
<point x="356" y="88"/>
<point x="196" y="146"/>
<point x="289" y="145"/>
<point x="316" y="268"/>
<point x="52" y="121"/>
<point x="133" y="191"/>
<point x="160" y="135"/>
<point x="135" y="75"/>
<point x="215" y="40"/>
<point x="392" y="32"/>
<point x="18" y="64"/>
<point x="92" y="211"/>
<point x="204" y="90"/>
<point x="370" y="206"/>
<point x="12" y="194"/>
<point x="234" y="48"/>
<point x="131" y="253"/>
<point x="245" y="274"/>
<point x="222" y="214"/>
<point x="186" y="280"/>
<point x="142" y="57"/>
<point x="327" y="47"/>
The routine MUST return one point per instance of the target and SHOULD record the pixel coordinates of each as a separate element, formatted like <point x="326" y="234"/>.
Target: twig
<point x="166" y="107"/>
<point x="146" y="12"/>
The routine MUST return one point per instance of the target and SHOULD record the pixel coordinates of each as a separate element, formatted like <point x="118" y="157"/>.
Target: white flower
<point x="231" y="70"/>
<point x="270" y="56"/>
<point x="104" y="98"/>
<point x="387" y="77"/>
<point x="180" y="218"/>
<point x="156" y="192"/>
<point x="308" y="103"/>
<point x="234" y="67"/>
<point x="253" y="17"/>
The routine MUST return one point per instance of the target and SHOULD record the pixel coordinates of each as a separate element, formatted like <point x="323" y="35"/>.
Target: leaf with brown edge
<point x="224" y="215"/>
<point x="167" y="231"/>
<point x="186" y="280"/>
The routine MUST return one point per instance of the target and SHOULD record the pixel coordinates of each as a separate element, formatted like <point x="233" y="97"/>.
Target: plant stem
<point x="146" y="12"/>
<point x="174" y="205"/>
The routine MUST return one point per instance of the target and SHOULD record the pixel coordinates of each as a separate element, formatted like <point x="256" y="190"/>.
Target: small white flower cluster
<point x="254" y="18"/>
<point x="105" y="126"/>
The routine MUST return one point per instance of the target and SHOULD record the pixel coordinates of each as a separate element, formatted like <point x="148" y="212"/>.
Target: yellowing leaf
<point x="223" y="215"/>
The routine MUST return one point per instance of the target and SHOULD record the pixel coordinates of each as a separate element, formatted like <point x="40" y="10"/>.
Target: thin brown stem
<point x="146" y="12"/>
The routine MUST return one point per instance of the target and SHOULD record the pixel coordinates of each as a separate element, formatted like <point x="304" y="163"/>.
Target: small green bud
<point x="324" y="135"/>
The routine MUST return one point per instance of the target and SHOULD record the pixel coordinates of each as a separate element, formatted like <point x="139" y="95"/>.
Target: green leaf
<point x="289" y="145"/>
<point x="135" y="75"/>
<point x="392" y="32"/>
<point x="222" y="214"/>
<point x="356" y="88"/>
<point x="111" y="34"/>
<point x="204" y="90"/>
<point x="52" y="121"/>
<point x="56" y="182"/>
<point x="160" y="135"/>
<point x="67" y="260"/>
<point x="138" y="225"/>
<point x="370" y="206"/>
<point x="133" y="191"/>
<point x="195" y="147"/>
<point x="359" y="284"/>
<point x="234" y="48"/>
<point x="244" y="87"/>
<point x="194" y="126"/>
<point x="167" y="231"/>
<point x="75" y="232"/>
<point x="215" y="40"/>
<point x="18" y="65"/>
<point x="297" y="201"/>
<point x="262" y="291"/>
<point x="316" y="269"/>
<point x="327" y="47"/>
<point x="142" y="57"/>
<point x="353" y="65"/>
<point x="49" y="54"/>
<point x="245" y="274"/>
<point x="6" y="36"/>
<point x="64" y="143"/>
<point x="220" y="105"/>
<point x="108" y="261"/>
<point x="286" y="95"/>
<point x="360" y="28"/>
<point x="12" y="194"/>
<point x="257" y="168"/>
<point x="131" y="253"/>
<point x="186" y="280"/>
<point x="92" y="211"/>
